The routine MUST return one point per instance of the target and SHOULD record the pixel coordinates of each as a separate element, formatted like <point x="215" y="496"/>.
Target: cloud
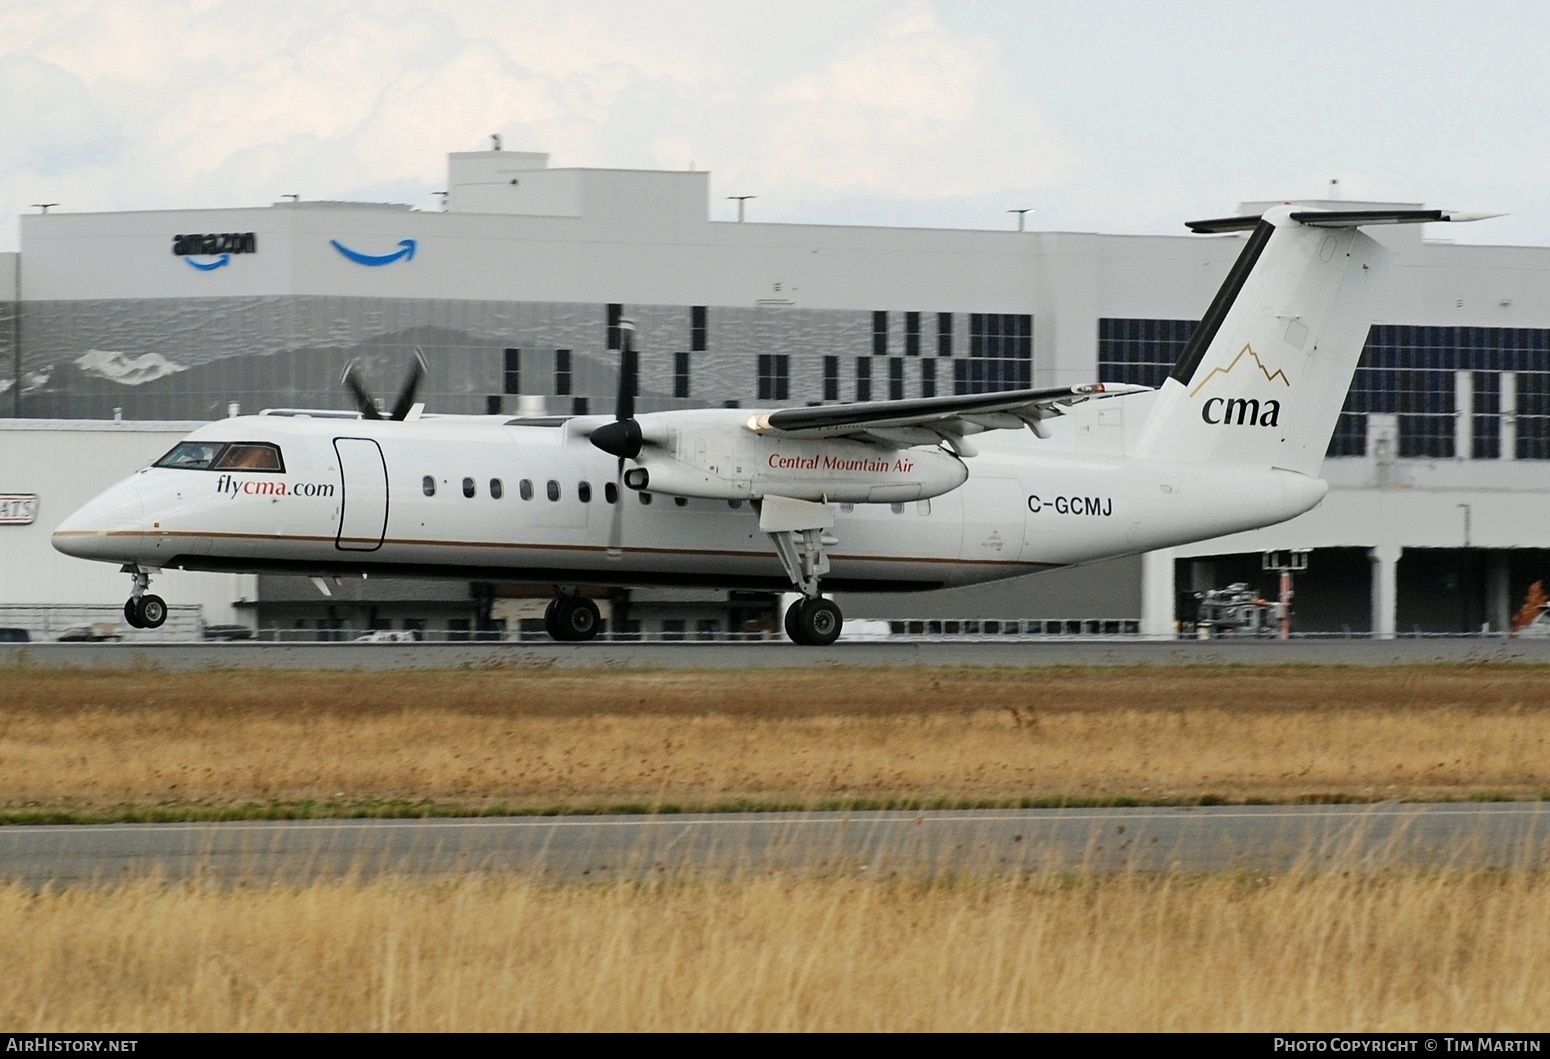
<point x="54" y="124"/>
<point x="164" y="103"/>
<point x="913" y="111"/>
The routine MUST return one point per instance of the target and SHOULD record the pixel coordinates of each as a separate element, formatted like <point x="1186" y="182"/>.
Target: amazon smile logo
<point x="1270" y="376"/>
<point x="405" y="252"/>
<point x="220" y="246"/>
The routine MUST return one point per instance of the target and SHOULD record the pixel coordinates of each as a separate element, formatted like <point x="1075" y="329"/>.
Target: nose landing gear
<point x="143" y="610"/>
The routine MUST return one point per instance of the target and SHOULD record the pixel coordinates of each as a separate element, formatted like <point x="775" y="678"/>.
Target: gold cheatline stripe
<point x="638" y="550"/>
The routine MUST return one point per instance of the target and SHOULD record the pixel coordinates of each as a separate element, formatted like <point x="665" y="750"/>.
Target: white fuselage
<point x="353" y="498"/>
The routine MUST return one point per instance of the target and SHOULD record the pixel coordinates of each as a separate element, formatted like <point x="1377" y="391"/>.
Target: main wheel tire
<point x="153" y="611"/>
<point x="577" y="618"/>
<point x="132" y="614"/>
<point x="793" y="621"/>
<point x="552" y="621"/>
<point x="819" y="622"/>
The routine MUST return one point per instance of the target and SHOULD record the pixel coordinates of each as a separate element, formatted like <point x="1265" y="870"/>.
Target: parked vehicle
<point x="101" y="632"/>
<point x="15" y="636"/>
<point x="1539" y="628"/>
<point x="1236" y="610"/>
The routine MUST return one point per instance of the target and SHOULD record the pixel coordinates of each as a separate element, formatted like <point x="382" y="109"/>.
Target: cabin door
<point x="363" y="472"/>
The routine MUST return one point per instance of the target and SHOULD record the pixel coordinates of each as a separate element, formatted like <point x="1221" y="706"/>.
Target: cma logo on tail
<point x="1242" y="411"/>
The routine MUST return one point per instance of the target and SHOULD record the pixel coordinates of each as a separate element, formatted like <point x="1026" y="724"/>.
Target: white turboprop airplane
<point x="878" y="496"/>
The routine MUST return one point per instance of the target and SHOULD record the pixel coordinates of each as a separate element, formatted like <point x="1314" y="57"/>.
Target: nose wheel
<point x="143" y="610"/>
<point x="147" y="612"/>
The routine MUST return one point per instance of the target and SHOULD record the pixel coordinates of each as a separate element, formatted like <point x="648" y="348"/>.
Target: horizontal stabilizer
<point x="1339" y="219"/>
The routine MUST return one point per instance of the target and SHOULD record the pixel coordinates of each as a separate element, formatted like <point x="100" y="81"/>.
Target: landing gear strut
<point x="570" y="617"/>
<point x="143" y="610"/>
<point x="800" y="532"/>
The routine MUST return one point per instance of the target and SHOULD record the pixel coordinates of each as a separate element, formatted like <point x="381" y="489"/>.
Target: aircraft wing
<point x="929" y="420"/>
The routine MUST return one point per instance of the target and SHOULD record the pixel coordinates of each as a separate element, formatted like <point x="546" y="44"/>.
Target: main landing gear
<point x="800" y="531"/>
<point x="143" y="610"/>
<point x="814" y="622"/>
<point x="570" y="617"/>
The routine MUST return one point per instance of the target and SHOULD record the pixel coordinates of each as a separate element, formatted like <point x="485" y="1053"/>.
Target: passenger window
<point x="645" y="498"/>
<point x="896" y="508"/>
<point x="681" y="501"/>
<point x="554" y="489"/>
<point x="847" y="508"/>
<point x="428" y="485"/>
<point x="250" y="456"/>
<point x="610" y="492"/>
<point x="497" y="490"/>
<point x="468" y="487"/>
<point x="923" y="507"/>
<point x="525" y="489"/>
<point x="584" y="492"/>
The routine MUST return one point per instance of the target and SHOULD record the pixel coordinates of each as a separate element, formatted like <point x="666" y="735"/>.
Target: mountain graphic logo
<point x="1270" y="376"/>
<point x="405" y="252"/>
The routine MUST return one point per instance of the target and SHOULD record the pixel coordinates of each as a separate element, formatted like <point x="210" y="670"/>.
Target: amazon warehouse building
<point x="120" y="332"/>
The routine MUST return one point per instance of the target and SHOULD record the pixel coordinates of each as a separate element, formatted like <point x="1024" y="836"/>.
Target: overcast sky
<point x="1118" y="117"/>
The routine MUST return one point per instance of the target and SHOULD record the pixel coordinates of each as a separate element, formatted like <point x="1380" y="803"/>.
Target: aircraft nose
<point x="102" y="528"/>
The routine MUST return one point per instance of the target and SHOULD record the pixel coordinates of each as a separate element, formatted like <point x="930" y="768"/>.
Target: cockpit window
<point x="224" y="456"/>
<point x="192" y="455"/>
<point x="250" y="456"/>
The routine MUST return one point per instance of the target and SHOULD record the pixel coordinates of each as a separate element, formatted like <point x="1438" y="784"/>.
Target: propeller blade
<point x="616" y="528"/>
<point x="350" y="380"/>
<point x="629" y="372"/>
<point x="622" y="437"/>
<point x="417" y="372"/>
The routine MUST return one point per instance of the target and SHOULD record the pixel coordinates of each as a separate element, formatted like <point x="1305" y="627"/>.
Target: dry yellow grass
<point x="1387" y="951"/>
<point x="93" y="739"/>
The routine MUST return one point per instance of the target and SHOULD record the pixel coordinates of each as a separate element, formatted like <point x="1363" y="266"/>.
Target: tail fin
<point x="1262" y="380"/>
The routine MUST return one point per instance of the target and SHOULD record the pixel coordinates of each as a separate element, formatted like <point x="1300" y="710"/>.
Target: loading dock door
<point x="363" y="472"/>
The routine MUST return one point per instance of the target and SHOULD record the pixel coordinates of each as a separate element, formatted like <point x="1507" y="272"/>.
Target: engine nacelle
<point x="852" y="471"/>
<point x="723" y="461"/>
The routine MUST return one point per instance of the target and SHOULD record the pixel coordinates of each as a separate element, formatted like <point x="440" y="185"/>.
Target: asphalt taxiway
<point x="772" y="654"/>
<point x="930" y="843"/>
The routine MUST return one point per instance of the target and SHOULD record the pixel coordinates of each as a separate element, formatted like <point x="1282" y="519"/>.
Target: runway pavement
<point x="776" y="654"/>
<point x="912" y="843"/>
